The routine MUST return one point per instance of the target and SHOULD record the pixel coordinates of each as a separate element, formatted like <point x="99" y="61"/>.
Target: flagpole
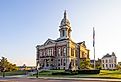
<point x="94" y="46"/>
<point x="94" y="58"/>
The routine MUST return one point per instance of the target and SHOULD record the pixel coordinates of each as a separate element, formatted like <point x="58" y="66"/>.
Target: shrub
<point x="88" y="71"/>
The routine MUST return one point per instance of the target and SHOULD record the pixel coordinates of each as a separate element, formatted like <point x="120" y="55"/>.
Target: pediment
<point x="48" y="42"/>
<point x="83" y="44"/>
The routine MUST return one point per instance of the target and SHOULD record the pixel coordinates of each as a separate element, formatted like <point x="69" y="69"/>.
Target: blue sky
<point x="26" y="23"/>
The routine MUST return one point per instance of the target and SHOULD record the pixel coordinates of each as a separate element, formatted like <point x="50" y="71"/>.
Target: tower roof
<point x="65" y="21"/>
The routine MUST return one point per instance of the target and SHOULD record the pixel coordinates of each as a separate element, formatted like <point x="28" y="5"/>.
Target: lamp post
<point x="4" y="68"/>
<point x="3" y="72"/>
<point x="37" y="68"/>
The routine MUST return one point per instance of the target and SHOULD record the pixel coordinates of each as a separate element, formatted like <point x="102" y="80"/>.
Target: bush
<point x="69" y="72"/>
<point x="65" y="73"/>
<point x="88" y="71"/>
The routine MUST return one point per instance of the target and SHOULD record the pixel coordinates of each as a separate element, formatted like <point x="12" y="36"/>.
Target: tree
<point x="6" y="66"/>
<point x="85" y="64"/>
<point x="118" y="67"/>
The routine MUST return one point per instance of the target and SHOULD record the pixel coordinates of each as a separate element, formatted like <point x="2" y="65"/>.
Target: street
<point x="43" y="80"/>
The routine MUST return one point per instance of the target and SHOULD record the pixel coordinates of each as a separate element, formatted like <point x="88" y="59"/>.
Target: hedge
<point x="70" y="72"/>
<point x="88" y="71"/>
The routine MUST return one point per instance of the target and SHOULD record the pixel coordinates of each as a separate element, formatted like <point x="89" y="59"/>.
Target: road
<point x="42" y="80"/>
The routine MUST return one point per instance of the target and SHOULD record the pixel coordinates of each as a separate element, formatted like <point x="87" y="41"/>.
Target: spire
<point x="65" y="14"/>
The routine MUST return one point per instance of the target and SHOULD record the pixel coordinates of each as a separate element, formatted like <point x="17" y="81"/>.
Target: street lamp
<point x="4" y="71"/>
<point x="37" y="68"/>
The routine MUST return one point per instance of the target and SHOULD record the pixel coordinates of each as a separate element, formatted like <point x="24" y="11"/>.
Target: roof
<point x="108" y="55"/>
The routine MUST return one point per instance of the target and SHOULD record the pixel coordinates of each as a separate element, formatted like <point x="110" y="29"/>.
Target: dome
<point x="65" y="21"/>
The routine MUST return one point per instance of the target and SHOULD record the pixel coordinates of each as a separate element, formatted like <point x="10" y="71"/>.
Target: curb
<point x="77" y="79"/>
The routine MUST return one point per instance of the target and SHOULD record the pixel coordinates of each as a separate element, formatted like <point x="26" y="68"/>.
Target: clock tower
<point x="65" y="28"/>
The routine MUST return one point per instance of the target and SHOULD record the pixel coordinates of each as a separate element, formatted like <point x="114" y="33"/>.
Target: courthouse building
<point x="62" y="53"/>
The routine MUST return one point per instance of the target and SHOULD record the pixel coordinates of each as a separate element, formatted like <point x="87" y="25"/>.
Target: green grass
<point x="48" y="73"/>
<point x="13" y="73"/>
<point x="103" y="74"/>
<point x="110" y="74"/>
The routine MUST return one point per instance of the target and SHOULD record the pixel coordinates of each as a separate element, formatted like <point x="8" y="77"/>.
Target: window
<point x="47" y="65"/>
<point x="82" y="54"/>
<point x="72" y="52"/>
<point x="52" y="52"/>
<point x="61" y="61"/>
<point x="41" y="53"/>
<point x="58" y="64"/>
<point x="103" y="66"/>
<point x="64" y="51"/>
<point x="59" y="51"/>
<point x="103" y="61"/>
<point x="114" y="65"/>
<point x="107" y="65"/>
<point x="106" y="61"/>
<point x="64" y="64"/>
<point x="110" y="65"/>
<point x="51" y="59"/>
<point x="63" y="33"/>
<point x="114" y="60"/>
<point x="48" y="52"/>
<point x="76" y="53"/>
<point x="109" y="61"/>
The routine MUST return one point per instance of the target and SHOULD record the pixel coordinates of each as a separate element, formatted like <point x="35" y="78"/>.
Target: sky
<point x="27" y="23"/>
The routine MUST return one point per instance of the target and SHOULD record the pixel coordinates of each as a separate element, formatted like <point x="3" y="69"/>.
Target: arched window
<point x="64" y="51"/>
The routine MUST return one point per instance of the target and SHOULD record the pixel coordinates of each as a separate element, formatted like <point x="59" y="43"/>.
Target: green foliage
<point x="6" y="66"/>
<point x="118" y="67"/>
<point x="18" y="72"/>
<point x="85" y="64"/>
<point x="48" y="72"/>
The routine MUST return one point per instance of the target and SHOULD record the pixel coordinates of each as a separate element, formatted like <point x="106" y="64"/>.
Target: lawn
<point x="110" y="74"/>
<point x="48" y="72"/>
<point x="103" y="74"/>
<point x="14" y="73"/>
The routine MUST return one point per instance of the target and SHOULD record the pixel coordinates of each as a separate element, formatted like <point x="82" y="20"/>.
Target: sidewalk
<point x="87" y="79"/>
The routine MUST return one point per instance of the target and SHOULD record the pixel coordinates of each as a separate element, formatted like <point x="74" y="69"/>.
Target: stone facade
<point x="109" y="61"/>
<point x="62" y="53"/>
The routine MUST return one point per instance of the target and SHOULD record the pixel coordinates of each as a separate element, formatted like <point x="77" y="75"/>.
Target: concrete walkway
<point x="89" y="79"/>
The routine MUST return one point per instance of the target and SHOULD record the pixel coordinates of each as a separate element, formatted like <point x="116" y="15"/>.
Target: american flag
<point x="93" y="37"/>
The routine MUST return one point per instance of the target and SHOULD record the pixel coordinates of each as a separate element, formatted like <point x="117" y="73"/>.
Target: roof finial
<point x="65" y="14"/>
